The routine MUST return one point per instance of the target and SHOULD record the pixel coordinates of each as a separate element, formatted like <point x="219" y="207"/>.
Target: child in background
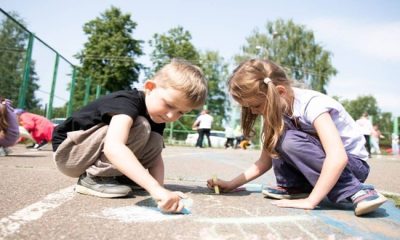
<point x="122" y="134"/>
<point x="9" y="132"/>
<point x="312" y="143"/>
<point x="40" y="128"/>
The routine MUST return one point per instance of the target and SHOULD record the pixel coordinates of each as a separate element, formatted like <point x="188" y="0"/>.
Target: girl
<point x="9" y="133"/>
<point x="312" y="143"/>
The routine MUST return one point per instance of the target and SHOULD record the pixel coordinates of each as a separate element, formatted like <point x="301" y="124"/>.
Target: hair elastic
<point x="267" y="80"/>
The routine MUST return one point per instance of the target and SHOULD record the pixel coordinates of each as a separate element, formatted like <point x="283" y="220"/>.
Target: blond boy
<point x="121" y="134"/>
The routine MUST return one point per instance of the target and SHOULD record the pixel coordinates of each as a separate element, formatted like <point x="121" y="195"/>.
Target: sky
<point x="363" y="36"/>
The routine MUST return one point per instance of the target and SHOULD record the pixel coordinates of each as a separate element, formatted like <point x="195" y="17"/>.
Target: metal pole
<point x="71" y="92"/>
<point x="171" y="131"/>
<point x="27" y="69"/>
<point x="87" y="90"/>
<point x="98" y="91"/>
<point x="49" y="113"/>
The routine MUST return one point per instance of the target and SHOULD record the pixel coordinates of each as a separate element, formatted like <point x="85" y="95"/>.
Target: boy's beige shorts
<point x="83" y="150"/>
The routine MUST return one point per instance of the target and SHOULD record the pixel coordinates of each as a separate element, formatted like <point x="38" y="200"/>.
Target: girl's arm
<point x="126" y="162"/>
<point x="262" y="165"/>
<point x="334" y="163"/>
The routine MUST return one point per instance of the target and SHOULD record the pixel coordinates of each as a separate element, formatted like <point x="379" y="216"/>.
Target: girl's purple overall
<point x="301" y="157"/>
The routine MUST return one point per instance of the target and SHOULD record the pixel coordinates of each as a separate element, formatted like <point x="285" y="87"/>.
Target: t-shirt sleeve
<point x="316" y="106"/>
<point x="118" y="105"/>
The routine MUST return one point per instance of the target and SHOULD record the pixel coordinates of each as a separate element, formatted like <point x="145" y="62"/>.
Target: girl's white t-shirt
<point x="309" y="104"/>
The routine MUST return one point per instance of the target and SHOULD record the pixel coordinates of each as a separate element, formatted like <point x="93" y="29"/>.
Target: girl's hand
<point x="296" y="203"/>
<point x="168" y="201"/>
<point x="224" y="186"/>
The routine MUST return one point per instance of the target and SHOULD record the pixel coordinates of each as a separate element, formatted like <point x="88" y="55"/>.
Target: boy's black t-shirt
<point x="129" y="102"/>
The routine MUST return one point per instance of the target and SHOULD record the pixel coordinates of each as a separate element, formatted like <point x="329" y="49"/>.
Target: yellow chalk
<point x="216" y="188"/>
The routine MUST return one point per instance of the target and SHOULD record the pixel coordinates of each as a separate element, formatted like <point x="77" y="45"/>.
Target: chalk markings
<point x="256" y="220"/>
<point x="11" y="224"/>
<point x="130" y="214"/>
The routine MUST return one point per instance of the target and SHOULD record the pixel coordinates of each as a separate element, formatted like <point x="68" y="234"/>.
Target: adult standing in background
<point x="366" y="128"/>
<point x="203" y="125"/>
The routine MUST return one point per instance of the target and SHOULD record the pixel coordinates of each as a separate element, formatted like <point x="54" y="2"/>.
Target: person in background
<point x="395" y="144"/>
<point x="203" y="125"/>
<point x="9" y="131"/>
<point x="40" y="128"/>
<point x="230" y="137"/>
<point x="366" y="128"/>
<point x="312" y="143"/>
<point x="376" y="135"/>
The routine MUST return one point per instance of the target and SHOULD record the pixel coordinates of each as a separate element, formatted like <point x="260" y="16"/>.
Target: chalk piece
<point x="187" y="206"/>
<point x="216" y="187"/>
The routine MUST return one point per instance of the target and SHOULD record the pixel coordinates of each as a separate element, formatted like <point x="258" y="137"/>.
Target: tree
<point x="174" y="44"/>
<point x="360" y="105"/>
<point x="216" y="72"/>
<point x="13" y="40"/>
<point x="109" y="56"/>
<point x="293" y="47"/>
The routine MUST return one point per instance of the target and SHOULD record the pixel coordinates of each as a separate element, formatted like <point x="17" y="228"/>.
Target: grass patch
<point x="396" y="199"/>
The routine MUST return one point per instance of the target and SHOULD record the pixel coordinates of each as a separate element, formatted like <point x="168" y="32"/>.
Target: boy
<point x="121" y="134"/>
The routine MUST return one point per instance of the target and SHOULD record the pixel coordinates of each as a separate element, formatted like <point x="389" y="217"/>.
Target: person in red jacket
<point x="38" y="126"/>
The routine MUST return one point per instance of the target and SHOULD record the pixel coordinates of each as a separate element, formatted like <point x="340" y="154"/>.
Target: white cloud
<point x="380" y="40"/>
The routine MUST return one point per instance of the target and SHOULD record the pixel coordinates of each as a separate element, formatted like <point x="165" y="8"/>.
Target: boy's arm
<point x="157" y="170"/>
<point x="126" y="162"/>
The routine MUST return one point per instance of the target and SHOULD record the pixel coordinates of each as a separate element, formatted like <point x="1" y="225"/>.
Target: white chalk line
<point x="134" y="214"/>
<point x="11" y="224"/>
<point x="256" y="220"/>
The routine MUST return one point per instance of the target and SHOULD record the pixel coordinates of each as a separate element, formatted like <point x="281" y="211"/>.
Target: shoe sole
<point x="287" y="196"/>
<point x="369" y="206"/>
<point x="87" y="191"/>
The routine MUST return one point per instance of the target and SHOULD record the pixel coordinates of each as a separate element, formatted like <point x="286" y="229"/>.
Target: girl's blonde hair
<point x="183" y="76"/>
<point x="3" y="116"/>
<point x="254" y="81"/>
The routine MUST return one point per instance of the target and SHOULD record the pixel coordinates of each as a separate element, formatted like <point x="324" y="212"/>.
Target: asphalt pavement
<point x="38" y="202"/>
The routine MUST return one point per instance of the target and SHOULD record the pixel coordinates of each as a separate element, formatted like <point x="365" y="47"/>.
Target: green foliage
<point x="216" y="72"/>
<point x="109" y="56"/>
<point x="293" y="47"/>
<point x="360" y="105"/>
<point x="13" y="41"/>
<point x="174" y="44"/>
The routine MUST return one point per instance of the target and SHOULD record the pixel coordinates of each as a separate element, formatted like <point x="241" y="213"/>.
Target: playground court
<point x="38" y="202"/>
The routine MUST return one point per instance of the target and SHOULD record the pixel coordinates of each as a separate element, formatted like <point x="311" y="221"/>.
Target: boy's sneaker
<point x="367" y="200"/>
<point x="279" y="192"/>
<point x="124" y="180"/>
<point x="104" y="187"/>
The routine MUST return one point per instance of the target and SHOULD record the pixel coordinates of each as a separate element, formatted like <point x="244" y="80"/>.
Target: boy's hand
<point x="168" y="201"/>
<point x="223" y="185"/>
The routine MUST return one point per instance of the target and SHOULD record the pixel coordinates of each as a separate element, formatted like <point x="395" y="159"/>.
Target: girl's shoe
<point x="367" y="200"/>
<point x="279" y="192"/>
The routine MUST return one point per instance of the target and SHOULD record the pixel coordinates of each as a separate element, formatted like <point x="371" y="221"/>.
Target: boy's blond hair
<point x="183" y="76"/>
